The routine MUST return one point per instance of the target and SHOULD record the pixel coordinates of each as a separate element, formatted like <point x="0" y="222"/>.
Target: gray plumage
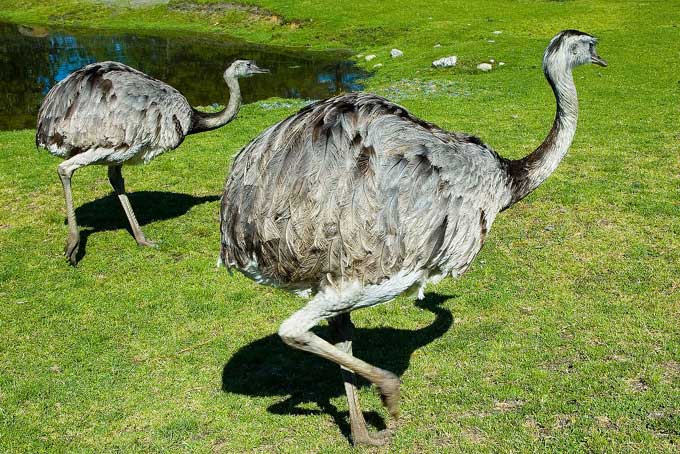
<point x="355" y="187"/>
<point x="111" y="114"/>
<point x="112" y="107"/>
<point x="356" y="201"/>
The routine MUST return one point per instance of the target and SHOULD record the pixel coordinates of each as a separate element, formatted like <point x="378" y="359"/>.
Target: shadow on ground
<point x="268" y="367"/>
<point x="149" y="206"/>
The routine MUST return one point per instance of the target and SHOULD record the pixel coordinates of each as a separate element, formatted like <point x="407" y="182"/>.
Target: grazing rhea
<point x="110" y="114"/>
<point x="359" y="201"/>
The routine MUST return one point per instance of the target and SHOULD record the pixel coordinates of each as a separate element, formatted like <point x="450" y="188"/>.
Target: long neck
<point x="206" y="121"/>
<point x="529" y="172"/>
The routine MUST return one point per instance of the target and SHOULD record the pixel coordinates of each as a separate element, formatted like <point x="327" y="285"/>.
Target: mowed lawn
<point x="563" y="336"/>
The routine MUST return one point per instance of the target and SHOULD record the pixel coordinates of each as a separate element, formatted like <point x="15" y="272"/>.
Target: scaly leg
<point x="295" y="331"/>
<point x="333" y="301"/>
<point x="118" y="184"/>
<point x="342" y="332"/>
<point x="73" y="241"/>
<point x="65" y="171"/>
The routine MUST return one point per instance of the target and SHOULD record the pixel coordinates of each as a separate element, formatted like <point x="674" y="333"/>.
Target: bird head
<point x="569" y="49"/>
<point x="243" y="68"/>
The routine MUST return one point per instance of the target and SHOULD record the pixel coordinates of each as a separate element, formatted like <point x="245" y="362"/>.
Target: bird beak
<point x="597" y="60"/>
<point x="257" y="70"/>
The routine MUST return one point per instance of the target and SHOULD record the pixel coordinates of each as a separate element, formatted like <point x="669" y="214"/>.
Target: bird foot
<point x="367" y="438"/>
<point x="146" y="242"/>
<point x="389" y="394"/>
<point x="71" y="248"/>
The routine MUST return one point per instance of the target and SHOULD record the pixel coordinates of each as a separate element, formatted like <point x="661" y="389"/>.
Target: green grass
<point x="562" y="337"/>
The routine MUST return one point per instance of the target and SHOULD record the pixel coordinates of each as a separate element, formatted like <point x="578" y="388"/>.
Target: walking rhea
<point x="110" y="114"/>
<point x="358" y="201"/>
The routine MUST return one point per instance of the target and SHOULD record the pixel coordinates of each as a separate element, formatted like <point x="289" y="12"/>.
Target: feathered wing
<point x="111" y="106"/>
<point x="355" y="187"/>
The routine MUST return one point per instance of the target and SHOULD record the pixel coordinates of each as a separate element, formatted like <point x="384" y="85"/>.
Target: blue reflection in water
<point x="352" y="81"/>
<point x="67" y="56"/>
<point x="34" y="60"/>
<point x="348" y="80"/>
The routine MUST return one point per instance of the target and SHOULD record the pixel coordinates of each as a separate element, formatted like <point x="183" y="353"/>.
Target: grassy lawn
<point x="563" y="336"/>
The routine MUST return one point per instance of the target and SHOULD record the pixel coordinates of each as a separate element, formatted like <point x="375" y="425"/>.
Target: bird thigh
<point x="345" y="297"/>
<point x="83" y="159"/>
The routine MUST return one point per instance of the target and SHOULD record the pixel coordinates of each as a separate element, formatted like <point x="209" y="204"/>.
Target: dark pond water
<point x="34" y="59"/>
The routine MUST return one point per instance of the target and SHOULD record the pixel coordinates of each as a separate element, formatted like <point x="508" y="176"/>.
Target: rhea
<point x="110" y="114"/>
<point x="355" y="201"/>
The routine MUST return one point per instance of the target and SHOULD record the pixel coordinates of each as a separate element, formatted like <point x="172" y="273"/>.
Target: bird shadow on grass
<point x="267" y="367"/>
<point x="149" y="206"/>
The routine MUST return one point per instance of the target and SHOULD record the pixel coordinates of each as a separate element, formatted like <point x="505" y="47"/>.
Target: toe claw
<point x="71" y="249"/>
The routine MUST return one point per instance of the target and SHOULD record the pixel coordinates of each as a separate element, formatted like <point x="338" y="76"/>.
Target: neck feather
<point x="529" y="172"/>
<point x="206" y="121"/>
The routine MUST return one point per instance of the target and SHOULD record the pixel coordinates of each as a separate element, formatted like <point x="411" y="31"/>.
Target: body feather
<point x="356" y="188"/>
<point x="111" y="107"/>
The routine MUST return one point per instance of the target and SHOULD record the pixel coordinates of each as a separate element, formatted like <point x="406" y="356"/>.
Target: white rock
<point x="484" y="67"/>
<point x="445" y="62"/>
<point x="497" y="32"/>
<point x="394" y="53"/>
<point x="492" y="60"/>
<point x="378" y="65"/>
<point x="437" y="45"/>
<point x="501" y="63"/>
<point x="369" y="57"/>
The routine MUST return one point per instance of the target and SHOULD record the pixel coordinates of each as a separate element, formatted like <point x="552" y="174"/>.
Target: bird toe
<point x="71" y="249"/>
<point x="380" y="438"/>
<point x="147" y="243"/>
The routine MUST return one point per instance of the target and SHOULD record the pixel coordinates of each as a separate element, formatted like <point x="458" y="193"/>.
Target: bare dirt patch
<point x="616" y="358"/>
<point x="563" y="421"/>
<point x="671" y="370"/>
<point x="605" y="422"/>
<point x="255" y="12"/>
<point x="638" y="385"/>
<point x="444" y="441"/>
<point x="473" y="435"/>
<point x="507" y="405"/>
<point x="536" y="429"/>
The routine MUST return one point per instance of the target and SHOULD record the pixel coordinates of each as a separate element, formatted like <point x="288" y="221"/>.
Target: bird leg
<point x="65" y="171"/>
<point x="295" y="331"/>
<point x="342" y="332"/>
<point x="118" y="184"/>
